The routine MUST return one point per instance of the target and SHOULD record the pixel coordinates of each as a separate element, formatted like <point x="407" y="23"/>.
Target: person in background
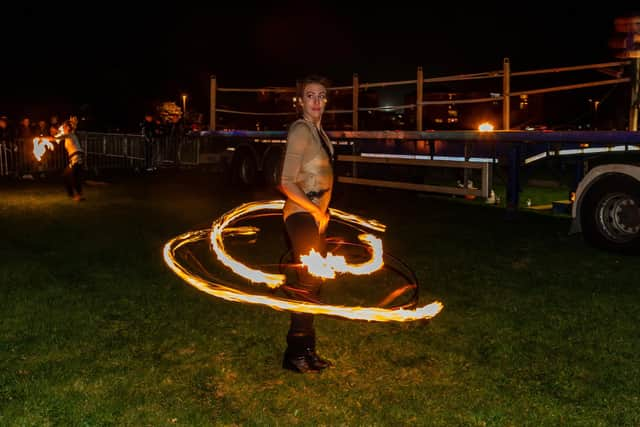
<point x="307" y="183"/>
<point x="4" y="128"/>
<point x="41" y="128"/>
<point x="149" y="129"/>
<point x="24" y="131"/>
<point x="5" y="132"/>
<point x="42" y="131"/>
<point x="25" y="162"/>
<point x="73" y="173"/>
<point x="54" y="125"/>
<point x="6" y="146"/>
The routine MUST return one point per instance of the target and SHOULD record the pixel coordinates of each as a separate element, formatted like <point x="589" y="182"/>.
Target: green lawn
<point x="537" y="329"/>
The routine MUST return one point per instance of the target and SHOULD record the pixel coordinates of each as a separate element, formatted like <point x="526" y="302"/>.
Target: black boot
<point x="297" y="364"/>
<point x="296" y="357"/>
<point x="314" y="359"/>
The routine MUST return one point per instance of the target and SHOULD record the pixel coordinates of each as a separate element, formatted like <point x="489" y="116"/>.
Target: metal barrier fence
<point x="103" y="152"/>
<point x="5" y="152"/>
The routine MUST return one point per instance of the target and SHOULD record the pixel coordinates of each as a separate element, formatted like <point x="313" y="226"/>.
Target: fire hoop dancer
<point x="72" y="174"/>
<point x="307" y="182"/>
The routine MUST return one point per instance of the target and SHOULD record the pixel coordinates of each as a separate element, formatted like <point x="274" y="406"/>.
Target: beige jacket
<point x="75" y="153"/>
<point x="307" y="165"/>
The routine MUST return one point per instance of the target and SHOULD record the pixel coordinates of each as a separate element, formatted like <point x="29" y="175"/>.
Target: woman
<point x="307" y="182"/>
<point x="72" y="174"/>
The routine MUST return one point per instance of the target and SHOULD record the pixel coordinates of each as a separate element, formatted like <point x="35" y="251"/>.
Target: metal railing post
<point x="354" y="103"/>
<point x="506" y="94"/>
<point x="419" y="88"/>
<point x="212" y="101"/>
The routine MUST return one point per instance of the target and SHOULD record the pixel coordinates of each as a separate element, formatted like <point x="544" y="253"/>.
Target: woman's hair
<point x="313" y="78"/>
<point x="71" y="124"/>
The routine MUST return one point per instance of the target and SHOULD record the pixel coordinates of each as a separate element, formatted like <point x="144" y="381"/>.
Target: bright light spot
<point x="485" y="127"/>
<point x="40" y="145"/>
<point x="327" y="267"/>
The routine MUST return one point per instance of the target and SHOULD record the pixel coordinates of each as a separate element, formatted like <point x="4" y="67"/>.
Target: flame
<point x="40" y="145"/>
<point x="242" y="231"/>
<point x="327" y="267"/>
<point x="331" y="263"/>
<point x="320" y="266"/>
<point x="274" y="280"/>
<point x="217" y="231"/>
<point x="218" y="290"/>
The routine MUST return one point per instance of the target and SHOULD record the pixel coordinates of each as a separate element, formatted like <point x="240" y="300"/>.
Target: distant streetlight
<point x="184" y="105"/>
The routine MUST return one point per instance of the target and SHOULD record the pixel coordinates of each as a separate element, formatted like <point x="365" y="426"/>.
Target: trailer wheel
<point x="610" y="215"/>
<point x="244" y="169"/>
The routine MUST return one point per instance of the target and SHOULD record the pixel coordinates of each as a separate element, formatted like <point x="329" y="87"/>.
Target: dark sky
<point x="115" y="61"/>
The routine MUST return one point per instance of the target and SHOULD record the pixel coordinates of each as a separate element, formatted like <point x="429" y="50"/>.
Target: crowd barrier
<point x="103" y="151"/>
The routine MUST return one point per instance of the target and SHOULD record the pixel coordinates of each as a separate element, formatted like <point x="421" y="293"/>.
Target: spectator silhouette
<point x="73" y="173"/>
<point x="149" y="131"/>
<point x="24" y="142"/>
<point x="6" y="146"/>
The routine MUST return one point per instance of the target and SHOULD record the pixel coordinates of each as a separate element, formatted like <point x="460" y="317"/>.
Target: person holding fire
<point x="307" y="183"/>
<point x="73" y="173"/>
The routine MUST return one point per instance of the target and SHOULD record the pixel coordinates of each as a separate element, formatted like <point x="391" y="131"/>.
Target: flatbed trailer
<point x="605" y="193"/>
<point x="605" y="185"/>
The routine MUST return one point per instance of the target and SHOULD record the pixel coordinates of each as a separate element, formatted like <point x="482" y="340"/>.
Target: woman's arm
<point x="298" y="140"/>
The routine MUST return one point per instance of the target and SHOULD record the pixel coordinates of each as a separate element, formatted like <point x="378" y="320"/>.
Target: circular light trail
<point x="327" y="266"/>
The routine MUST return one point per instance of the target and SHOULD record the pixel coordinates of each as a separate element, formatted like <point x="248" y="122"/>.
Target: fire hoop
<point x="405" y="296"/>
<point x="180" y="255"/>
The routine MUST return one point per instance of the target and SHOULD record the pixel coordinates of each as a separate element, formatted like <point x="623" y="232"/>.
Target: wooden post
<point x="635" y="93"/>
<point x="212" y="103"/>
<point x="354" y="119"/>
<point x="354" y="103"/>
<point x="419" y="86"/>
<point x="513" y="179"/>
<point x="506" y="91"/>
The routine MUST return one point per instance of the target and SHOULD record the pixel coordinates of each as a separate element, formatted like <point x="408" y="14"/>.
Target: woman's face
<point x="314" y="98"/>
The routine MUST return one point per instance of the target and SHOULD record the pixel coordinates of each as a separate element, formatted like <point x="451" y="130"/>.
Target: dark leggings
<point x="303" y="236"/>
<point x="72" y="176"/>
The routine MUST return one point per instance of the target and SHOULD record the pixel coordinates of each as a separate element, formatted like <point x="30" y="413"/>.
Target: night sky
<point x="115" y="62"/>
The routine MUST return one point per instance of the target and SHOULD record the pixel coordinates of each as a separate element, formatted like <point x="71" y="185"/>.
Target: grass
<point x="537" y="329"/>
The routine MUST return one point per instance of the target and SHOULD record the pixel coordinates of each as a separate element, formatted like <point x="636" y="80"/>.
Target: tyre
<point x="244" y="169"/>
<point x="610" y="215"/>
